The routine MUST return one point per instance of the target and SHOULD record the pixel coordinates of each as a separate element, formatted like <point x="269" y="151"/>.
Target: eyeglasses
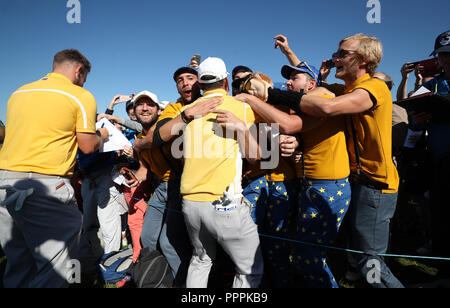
<point x="341" y="53"/>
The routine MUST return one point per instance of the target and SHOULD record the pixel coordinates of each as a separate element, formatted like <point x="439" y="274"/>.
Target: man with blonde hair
<point x="367" y="102"/>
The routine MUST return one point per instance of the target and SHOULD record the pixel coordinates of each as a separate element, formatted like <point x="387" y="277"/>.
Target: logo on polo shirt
<point x="445" y="40"/>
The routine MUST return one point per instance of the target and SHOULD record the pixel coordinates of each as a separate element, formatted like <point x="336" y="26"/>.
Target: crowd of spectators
<point x="263" y="178"/>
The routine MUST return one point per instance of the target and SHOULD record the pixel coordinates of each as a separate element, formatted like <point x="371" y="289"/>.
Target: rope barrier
<point x="313" y="244"/>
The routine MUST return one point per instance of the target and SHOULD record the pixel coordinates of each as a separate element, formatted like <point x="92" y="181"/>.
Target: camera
<point x="430" y="67"/>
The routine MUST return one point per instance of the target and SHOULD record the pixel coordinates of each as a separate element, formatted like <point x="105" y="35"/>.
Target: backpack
<point x="113" y="266"/>
<point x="151" y="270"/>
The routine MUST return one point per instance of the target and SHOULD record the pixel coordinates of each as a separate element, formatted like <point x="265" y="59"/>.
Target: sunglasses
<point x="341" y="53"/>
<point x="238" y="83"/>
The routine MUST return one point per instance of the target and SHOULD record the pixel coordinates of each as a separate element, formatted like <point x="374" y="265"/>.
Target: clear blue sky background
<point x="135" y="45"/>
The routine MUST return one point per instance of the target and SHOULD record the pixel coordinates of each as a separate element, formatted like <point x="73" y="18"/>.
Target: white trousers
<point x="234" y="230"/>
<point x="102" y="207"/>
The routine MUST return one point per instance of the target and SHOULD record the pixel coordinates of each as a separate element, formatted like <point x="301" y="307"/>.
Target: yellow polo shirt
<point x="171" y="111"/>
<point x="325" y="151"/>
<point x="374" y="134"/>
<point x="42" y="120"/>
<point x="213" y="160"/>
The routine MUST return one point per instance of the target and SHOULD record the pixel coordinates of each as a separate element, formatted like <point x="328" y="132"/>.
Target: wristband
<point x="290" y="99"/>
<point x="185" y="118"/>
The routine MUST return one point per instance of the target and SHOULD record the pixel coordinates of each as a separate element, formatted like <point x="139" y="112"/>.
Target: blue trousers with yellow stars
<point x="322" y="205"/>
<point x="272" y="206"/>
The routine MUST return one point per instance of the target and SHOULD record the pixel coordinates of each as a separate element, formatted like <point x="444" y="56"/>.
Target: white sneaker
<point x="124" y="240"/>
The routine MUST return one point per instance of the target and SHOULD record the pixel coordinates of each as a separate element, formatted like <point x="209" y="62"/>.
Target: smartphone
<point x="197" y="58"/>
<point x="329" y="64"/>
<point x="430" y="67"/>
<point x="128" y="174"/>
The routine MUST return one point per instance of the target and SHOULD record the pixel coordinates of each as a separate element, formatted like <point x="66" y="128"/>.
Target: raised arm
<point x="402" y="91"/>
<point x="282" y="43"/>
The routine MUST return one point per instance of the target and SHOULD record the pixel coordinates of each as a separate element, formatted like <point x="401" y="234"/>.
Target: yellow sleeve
<point x="86" y="115"/>
<point x="171" y="111"/>
<point x="374" y="88"/>
<point x="250" y="116"/>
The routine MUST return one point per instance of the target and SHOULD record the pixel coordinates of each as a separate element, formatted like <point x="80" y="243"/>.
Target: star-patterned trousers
<point x="272" y="206"/>
<point x="322" y="205"/>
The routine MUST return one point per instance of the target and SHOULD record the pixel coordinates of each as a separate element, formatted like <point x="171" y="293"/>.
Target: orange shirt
<point x="374" y="134"/>
<point x="157" y="159"/>
<point x="160" y="159"/>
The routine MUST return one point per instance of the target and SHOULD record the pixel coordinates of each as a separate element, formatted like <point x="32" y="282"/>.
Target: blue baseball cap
<point x="287" y="70"/>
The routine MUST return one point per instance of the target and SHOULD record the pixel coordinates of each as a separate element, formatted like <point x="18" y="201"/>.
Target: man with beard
<point x="146" y="108"/>
<point x="164" y="225"/>
<point x="163" y="222"/>
<point x="40" y="224"/>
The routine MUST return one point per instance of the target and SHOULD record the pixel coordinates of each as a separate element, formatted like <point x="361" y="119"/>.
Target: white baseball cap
<point x="214" y="67"/>
<point x="150" y="95"/>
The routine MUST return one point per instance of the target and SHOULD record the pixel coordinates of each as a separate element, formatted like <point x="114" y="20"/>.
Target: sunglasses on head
<point x="310" y="69"/>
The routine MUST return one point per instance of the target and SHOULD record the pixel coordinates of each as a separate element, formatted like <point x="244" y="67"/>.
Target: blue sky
<point x="135" y="45"/>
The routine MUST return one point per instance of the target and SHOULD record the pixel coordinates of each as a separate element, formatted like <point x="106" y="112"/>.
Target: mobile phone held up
<point x="329" y="64"/>
<point x="128" y="174"/>
<point x="430" y="67"/>
<point x="197" y="58"/>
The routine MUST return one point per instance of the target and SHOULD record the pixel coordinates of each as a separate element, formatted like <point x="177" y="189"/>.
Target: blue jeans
<point x="164" y="225"/>
<point x="370" y="214"/>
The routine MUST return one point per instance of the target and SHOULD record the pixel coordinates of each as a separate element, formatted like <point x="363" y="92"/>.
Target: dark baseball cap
<point x="129" y="105"/>
<point x="442" y="43"/>
<point x="239" y="69"/>
<point x="184" y="70"/>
